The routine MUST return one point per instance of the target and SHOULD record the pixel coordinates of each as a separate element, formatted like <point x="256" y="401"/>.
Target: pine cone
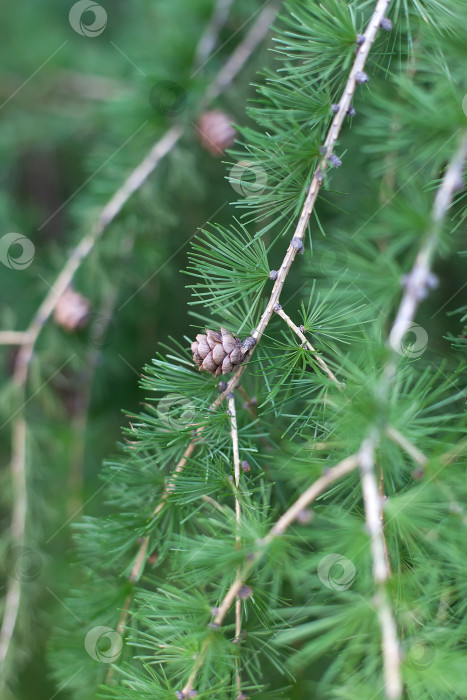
<point x="218" y="353"/>
<point x="215" y="131"/>
<point x="72" y="310"/>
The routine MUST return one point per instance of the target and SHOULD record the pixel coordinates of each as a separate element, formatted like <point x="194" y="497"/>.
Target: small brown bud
<point x="351" y="111"/>
<point x="245" y="466"/>
<point x="360" y="39"/>
<point x="334" y="109"/>
<point x="273" y="275"/>
<point x="222" y="386"/>
<point x="277" y="307"/>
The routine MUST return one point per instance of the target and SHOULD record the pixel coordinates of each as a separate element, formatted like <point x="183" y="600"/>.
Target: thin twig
<point x="280" y="312"/>
<point x="211" y="34"/>
<point x="397" y="437"/>
<point x="234" y="64"/>
<point x="341" y="469"/>
<point x="242" y="53"/>
<point x="331" y="139"/>
<point x="333" y="474"/>
<point x="14" y="338"/>
<point x="238" y="514"/>
<point x="418" y="282"/>
<point x="373" y="510"/>
<point x="420" y="279"/>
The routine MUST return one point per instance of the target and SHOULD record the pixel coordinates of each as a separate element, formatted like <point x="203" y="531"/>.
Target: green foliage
<point x="177" y="530"/>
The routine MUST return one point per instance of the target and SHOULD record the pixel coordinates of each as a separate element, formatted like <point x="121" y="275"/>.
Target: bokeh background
<point x="80" y="107"/>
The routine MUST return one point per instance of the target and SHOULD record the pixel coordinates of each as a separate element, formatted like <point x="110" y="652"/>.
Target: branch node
<point x="297" y="243"/>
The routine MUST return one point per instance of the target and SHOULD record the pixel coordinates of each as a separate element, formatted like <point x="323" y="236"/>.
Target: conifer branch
<point x="238" y="514"/>
<point x="27" y="340"/>
<point x="418" y="282"/>
<point x="421" y="279"/>
<point x="242" y="52"/>
<point x="373" y="515"/>
<point x="296" y="244"/>
<point x="280" y="312"/>
<point x="333" y="474"/>
<point x="413" y="451"/>
<point x="211" y="33"/>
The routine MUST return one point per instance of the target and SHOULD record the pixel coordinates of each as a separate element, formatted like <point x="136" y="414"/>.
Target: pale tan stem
<point x="238" y="513"/>
<point x="413" y="451"/>
<point x="373" y="515"/>
<point x="341" y="469"/>
<point x="280" y="312"/>
<point x="313" y="189"/>
<point x="14" y="338"/>
<point x="420" y="278"/>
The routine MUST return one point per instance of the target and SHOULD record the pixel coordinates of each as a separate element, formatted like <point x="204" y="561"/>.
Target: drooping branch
<point x="418" y="282"/>
<point x="296" y="244"/>
<point x="27" y="340"/>
<point x="381" y="573"/>
<point x="341" y="469"/>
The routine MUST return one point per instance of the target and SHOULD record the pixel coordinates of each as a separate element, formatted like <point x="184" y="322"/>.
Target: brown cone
<point x="217" y="353"/>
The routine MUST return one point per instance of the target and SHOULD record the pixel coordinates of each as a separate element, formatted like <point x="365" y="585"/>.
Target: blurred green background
<point x="77" y="115"/>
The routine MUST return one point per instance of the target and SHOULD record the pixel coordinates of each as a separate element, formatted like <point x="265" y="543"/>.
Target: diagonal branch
<point x="280" y="312"/>
<point x="296" y="244"/>
<point x="341" y="469"/>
